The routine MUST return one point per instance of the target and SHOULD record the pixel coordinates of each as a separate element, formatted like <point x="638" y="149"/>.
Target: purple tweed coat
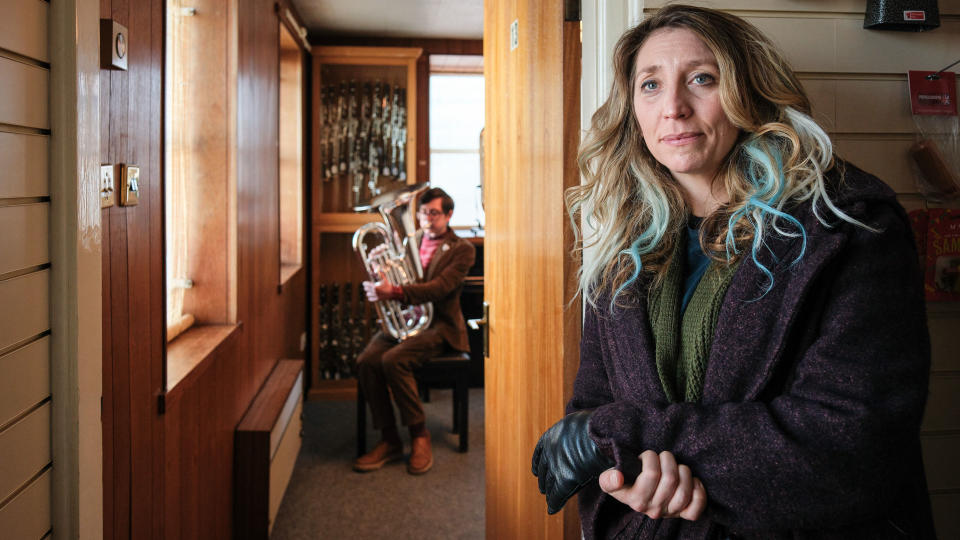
<point x="813" y="396"/>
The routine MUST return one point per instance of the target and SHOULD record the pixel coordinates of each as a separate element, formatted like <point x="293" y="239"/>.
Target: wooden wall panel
<point x="823" y="100"/>
<point x="204" y="410"/>
<point x="25" y="385"/>
<point x="23" y="28"/>
<point x="28" y="514"/>
<point x="25" y="91"/>
<point x="25" y="239"/>
<point x="886" y="158"/>
<point x="131" y="133"/>
<point x="31" y="294"/>
<point x="858" y="102"/>
<point x="849" y="105"/>
<point x="28" y="369"/>
<point x="874" y="51"/>
<point x="842" y="45"/>
<point x="25" y="163"/>
<point x="808" y="44"/>
<point x="24" y="450"/>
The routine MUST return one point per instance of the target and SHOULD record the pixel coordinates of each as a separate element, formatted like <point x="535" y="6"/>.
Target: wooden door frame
<point x="521" y="161"/>
<point x="76" y="346"/>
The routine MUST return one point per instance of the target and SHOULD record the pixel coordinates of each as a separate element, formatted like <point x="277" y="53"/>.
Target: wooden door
<point x="532" y="126"/>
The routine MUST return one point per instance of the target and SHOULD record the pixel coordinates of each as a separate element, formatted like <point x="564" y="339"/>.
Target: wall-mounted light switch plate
<point x="106" y="186"/>
<point x="129" y="185"/>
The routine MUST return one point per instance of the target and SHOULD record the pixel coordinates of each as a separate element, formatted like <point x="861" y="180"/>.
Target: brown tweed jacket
<point x="442" y="284"/>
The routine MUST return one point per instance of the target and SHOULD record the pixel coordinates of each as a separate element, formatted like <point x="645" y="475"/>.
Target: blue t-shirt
<point x="696" y="261"/>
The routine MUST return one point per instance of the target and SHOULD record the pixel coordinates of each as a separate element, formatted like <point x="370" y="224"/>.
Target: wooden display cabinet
<point x="334" y="220"/>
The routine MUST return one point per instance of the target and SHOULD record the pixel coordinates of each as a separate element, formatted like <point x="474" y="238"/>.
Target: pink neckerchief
<point x="428" y="246"/>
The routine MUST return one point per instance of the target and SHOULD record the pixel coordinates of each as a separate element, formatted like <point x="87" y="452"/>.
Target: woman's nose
<point x="676" y="103"/>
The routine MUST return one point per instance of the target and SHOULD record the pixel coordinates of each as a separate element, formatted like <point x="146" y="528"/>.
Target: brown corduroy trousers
<point x="386" y="366"/>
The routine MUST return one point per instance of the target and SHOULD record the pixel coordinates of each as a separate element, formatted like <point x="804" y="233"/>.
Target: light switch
<point x="129" y="185"/>
<point x="106" y="186"/>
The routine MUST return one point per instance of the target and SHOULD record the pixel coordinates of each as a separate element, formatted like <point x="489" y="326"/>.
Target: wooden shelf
<point x="343" y="222"/>
<point x="366" y="56"/>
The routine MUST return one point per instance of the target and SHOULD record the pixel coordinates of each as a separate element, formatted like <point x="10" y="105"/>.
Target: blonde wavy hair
<point x="636" y="209"/>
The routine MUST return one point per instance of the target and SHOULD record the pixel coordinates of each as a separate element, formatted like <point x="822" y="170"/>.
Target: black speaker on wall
<point x="904" y="15"/>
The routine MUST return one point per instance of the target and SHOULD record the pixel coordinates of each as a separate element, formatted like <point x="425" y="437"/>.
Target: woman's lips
<point x="679" y="139"/>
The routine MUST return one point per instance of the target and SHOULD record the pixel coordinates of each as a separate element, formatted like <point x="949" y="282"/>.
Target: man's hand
<point x="382" y="290"/>
<point x="566" y="459"/>
<point x="664" y="489"/>
<point x="374" y="256"/>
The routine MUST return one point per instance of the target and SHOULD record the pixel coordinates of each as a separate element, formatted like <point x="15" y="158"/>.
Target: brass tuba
<point x="397" y="261"/>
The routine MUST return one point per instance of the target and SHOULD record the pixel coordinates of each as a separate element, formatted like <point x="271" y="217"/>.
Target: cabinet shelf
<point x="342" y="222"/>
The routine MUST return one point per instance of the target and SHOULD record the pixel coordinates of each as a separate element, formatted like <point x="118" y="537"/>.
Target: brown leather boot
<point x="421" y="456"/>
<point x="378" y="457"/>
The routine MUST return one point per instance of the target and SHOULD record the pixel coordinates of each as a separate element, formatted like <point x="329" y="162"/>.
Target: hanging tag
<point x="933" y="96"/>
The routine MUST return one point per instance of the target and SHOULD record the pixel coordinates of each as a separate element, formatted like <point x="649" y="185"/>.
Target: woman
<point x="755" y="343"/>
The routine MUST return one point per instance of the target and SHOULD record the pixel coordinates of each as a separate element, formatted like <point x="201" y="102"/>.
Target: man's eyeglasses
<point x="429" y="212"/>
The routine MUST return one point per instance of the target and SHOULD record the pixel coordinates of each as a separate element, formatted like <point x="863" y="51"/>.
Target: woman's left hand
<point x="664" y="489"/>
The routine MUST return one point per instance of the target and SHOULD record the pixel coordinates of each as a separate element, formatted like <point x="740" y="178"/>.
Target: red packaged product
<point x="943" y="255"/>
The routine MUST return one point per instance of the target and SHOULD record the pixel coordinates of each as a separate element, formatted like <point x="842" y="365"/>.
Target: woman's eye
<point x="647" y="86"/>
<point x="703" y="78"/>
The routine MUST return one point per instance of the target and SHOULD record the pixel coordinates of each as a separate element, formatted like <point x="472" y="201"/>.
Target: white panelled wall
<point x="856" y="79"/>
<point x="25" y="397"/>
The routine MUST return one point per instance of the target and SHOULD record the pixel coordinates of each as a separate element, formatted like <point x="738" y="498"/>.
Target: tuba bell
<point x="389" y="251"/>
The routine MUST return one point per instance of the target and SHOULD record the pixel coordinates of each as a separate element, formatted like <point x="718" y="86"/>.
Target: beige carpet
<point x="326" y="499"/>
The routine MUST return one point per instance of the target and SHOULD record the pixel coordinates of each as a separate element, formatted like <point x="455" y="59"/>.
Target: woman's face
<point x="676" y="100"/>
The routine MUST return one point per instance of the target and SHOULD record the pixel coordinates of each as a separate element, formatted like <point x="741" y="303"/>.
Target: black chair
<point x="449" y="370"/>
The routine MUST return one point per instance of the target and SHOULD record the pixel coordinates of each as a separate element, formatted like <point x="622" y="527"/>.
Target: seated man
<point x="386" y="366"/>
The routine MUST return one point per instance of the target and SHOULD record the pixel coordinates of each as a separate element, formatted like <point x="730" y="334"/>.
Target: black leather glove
<point x="566" y="458"/>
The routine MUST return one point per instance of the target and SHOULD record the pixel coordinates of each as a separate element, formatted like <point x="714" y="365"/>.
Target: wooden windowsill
<point x="287" y="271"/>
<point x="188" y="352"/>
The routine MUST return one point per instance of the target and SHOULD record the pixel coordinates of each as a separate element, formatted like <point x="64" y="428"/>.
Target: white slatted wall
<point x="856" y="79"/>
<point x="25" y="408"/>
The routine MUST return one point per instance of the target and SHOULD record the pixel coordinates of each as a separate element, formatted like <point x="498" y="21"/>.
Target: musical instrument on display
<point x="389" y="251"/>
<point x="362" y="137"/>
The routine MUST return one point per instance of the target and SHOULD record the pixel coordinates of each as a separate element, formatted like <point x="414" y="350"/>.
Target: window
<point x="456" y="121"/>
<point x="291" y="155"/>
<point x="200" y="176"/>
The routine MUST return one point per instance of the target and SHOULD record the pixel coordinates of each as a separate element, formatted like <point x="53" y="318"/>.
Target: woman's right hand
<point x="664" y="489"/>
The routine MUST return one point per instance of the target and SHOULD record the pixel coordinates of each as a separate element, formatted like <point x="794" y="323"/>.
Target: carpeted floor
<point x="326" y="499"/>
